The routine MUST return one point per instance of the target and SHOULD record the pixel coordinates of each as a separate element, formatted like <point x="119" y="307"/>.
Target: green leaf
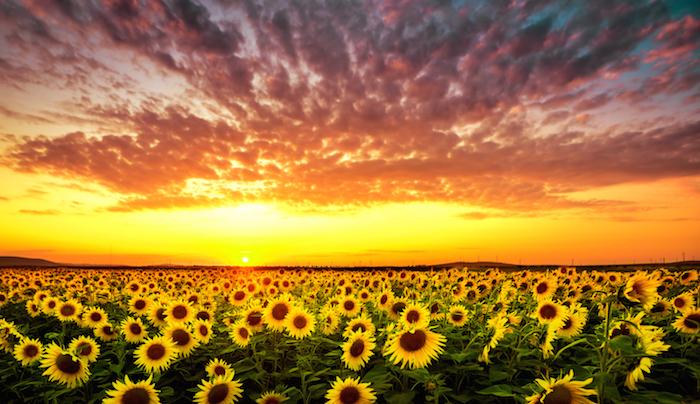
<point x="116" y="367"/>
<point x="419" y="375"/>
<point x="668" y="398"/>
<point x="399" y="397"/>
<point x="167" y="391"/>
<point x="499" y="390"/>
<point x="622" y="343"/>
<point x="244" y="365"/>
<point x="496" y="374"/>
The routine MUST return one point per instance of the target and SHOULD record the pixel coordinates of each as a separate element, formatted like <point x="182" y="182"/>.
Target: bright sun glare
<point x="245" y="259"/>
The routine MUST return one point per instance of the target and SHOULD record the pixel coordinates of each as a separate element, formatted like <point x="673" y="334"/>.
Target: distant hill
<point x="26" y="262"/>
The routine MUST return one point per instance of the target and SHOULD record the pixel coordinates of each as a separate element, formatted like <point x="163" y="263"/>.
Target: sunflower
<point x="240" y="333"/>
<point x="357" y="350"/>
<point x="362" y="324"/>
<point x="94" y="316"/>
<point x="688" y="322"/>
<point x="457" y="315"/>
<point x="415" y="347"/>
<point x="155" y="354"/>
<point x="49" y="304"/>
<point x="331" y="318"/>
<point x="271" y="397"/>
<point x="64" y="367"/>
<point x="572" y="324"/>
<point x="105" y="332"/>
<point x="684" y="302"/>
<point x="637" y="374"/>
<point x="28" y="351"/>
<point x="299" y="323"/>
<point x="350" y="307"/>
<point x="156" y="315"/>
<point x="179" y="311"/>
<point x="68" y="310"/>
<point x="641" y="288"/>
<point x="133" y="330"/>
<point x="395" y="309"/>
<point x="661" y="308"/>
<point x="350" y="391"/>
<point x="217" y="367"/>
<point x="385" y="299"/>
<point x="562" y="391"/>
<point x="364" y="295"/>
<point x="202" y="331"/>
<point x="253" y="318"/>
<point x="275" y="313"/>
<point x="139" y="305"/>
<point x="33" y="308"/>
<point x="549" y="312"/>
<point x="415" y="315"/>
<point x="127" y="392"/>
<point x="544" y="289"/>
<point x="221" y="390"/>
<point x="85" y="348"/>
<point x="184" y="340"/>
<point x="689" y="276"/>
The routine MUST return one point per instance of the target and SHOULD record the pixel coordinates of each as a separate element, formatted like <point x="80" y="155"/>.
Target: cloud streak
<point x="327" y="105"/>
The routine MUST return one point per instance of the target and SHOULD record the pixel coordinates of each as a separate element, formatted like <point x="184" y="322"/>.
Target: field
<point x="224" y="335"/>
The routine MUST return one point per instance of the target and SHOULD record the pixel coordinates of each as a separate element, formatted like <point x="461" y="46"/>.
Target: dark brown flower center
<point x="240" y="295"/>
<point x="155" y="352"/>
<point x="679" y="302"/>
<point x="254" y="318"/>
<point x="279" y="311"/>
<point x="548" y="311"/>
<point x="243" y="332"/>
<point x="31" y="351"/>
<point x="413" y="341"/>
<point x="359" y="326"/>
<point x="357" y="348"/>
<point x="67" y="310"/>
<point x="398" y="307"/>
<point x="567" y="324"/>
<point x="412" y="316"/>
<point x="96" y="316"/>
<point x="542" y="287"/>
<point x="219" y="370"/>
<point x="457" y="317"/>
<point x="383" y="299"/>
<point x="160" y="314"/>
<point x="179" y="312"/>
<point x="134" y="287"/>
<point x="136" y="395"/>
<point x="140" y="304"/>
<point x="66" y="364"/>
<point x="135" y="328"/>
<point x="692" y="321"/>
<point x="218" y="393"/>
<point x="559" y="395"/>
<point x="181" y="337"/>
<point x="203" y="315"/>
<point x="349" y="395"/>
<point x="658" y="308"/>
<point x="203" y="330"/>
<point x="84" y="349"/>
<point x="299" y="322"/>
<point x="349" y="305"/>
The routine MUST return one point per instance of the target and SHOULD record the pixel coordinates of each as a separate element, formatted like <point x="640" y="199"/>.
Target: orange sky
<point x="203" y="133"/>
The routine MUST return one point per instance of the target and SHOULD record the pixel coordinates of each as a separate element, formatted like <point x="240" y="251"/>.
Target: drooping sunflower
<point x="414" y="347"/>
<point x="221" y="390"/>
<point x="133" y="330"/>
<point x="350" y="391"/>
<point x="179" y="311"/>
<point x="28" y="351"/>
<point x="563" y="390"/>
<point x="155" y="354"/>
<point x="299" y="323"/>
<point x="362" y="324"/>
<point x="156" y="315"/>
<point x="642" y="288"/>
<point x="253" y="318"/>
<point x="105" y="332"/>
<point x="64" y="367"/>
<point x="275" y="313"/>
<point x="217" y="367"/>
<point x="661" y="308"/>
<point x="688" y="322"/>
<point x="184" y="340"/>
<point x="357" y="350"/>
<point x="689" y="276"/>
<point x="637" y="374"/>
<point x="128" y="392"/>
<point x="271" y="397"/>
<point x="415" y="315"/>
<point x="85" y="348"/>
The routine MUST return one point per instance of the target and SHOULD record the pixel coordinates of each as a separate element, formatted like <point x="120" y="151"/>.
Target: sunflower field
<point x="227" y="335"/>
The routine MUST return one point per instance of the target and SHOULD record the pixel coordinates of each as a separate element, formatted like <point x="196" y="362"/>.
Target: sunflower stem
<point x="604" y="356"/>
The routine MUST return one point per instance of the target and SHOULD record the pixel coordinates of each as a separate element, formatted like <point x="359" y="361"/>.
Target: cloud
<point x="4" y="198"/>
<point x="343" y="105"/>
<point x="40" y="212"/>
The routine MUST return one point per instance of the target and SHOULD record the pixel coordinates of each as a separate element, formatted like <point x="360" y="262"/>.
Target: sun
<point x="245" y="259"/>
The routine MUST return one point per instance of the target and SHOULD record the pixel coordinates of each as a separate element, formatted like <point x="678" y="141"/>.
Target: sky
<point x="345" y="132"/>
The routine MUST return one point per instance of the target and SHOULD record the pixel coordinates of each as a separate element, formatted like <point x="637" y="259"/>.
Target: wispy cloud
<point x="40" y="212"/>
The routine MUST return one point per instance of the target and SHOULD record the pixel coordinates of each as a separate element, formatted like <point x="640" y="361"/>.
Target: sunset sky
<point x="349" y="132"/>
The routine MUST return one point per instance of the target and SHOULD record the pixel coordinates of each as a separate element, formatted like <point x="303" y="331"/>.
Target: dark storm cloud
<point x="357" y="103"/>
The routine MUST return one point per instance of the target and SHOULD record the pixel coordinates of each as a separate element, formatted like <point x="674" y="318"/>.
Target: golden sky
<point x="391" y="133"/>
